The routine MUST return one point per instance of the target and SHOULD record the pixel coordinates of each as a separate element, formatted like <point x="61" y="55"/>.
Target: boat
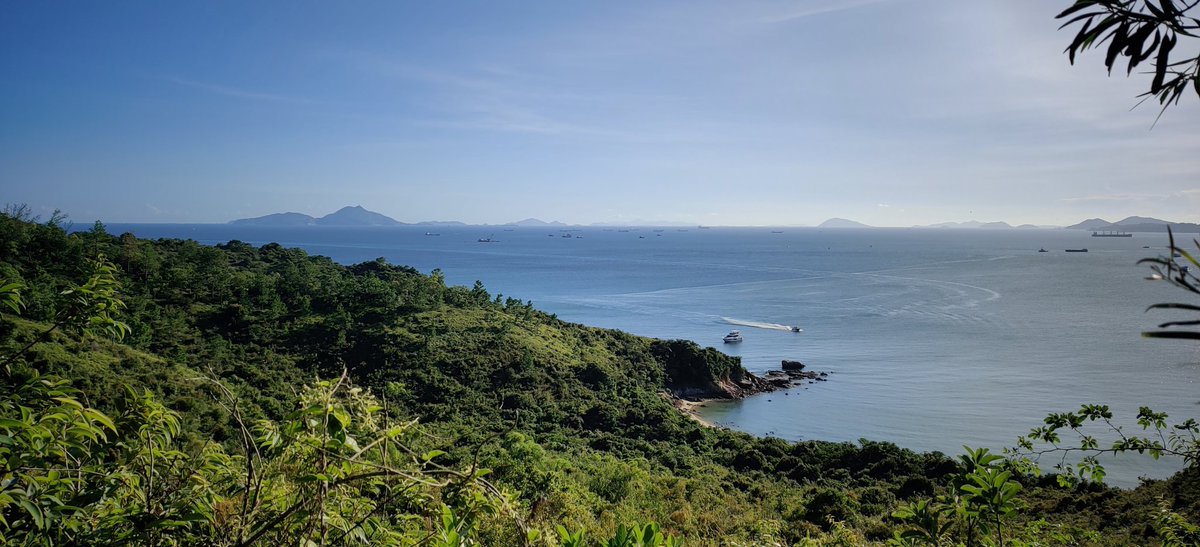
<point x="1043" y="250"/>
<point x="1111" y="234"/>
<point x="797" y="329"/>
<point x="733" y="337"/>
<point x="1076" y="250"/>
<point x="487" y="239"/>
<point x="566" y="235"/>
<point x="432" y="234"/>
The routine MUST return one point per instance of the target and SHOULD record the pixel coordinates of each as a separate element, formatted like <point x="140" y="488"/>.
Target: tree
<point x="1141" y="30"/>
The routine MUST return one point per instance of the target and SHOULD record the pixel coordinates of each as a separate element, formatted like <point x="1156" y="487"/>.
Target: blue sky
<point x="890" y="112"/>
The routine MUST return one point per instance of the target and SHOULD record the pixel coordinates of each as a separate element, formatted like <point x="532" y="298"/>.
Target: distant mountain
<point x="841" y="223"/>
<point x="1177" y="227"/>
<point x="1090" y="224"/>
<point x="356" y="216"/>
<point x="346" y="216"/>
<point x="535" y="223"/>
<point x="640" y="222"/>
<point x="277" y="219"/>
<point x="1136" y="224"/>
<point x="970" y="224"/>
<point x="1133" y="221"/>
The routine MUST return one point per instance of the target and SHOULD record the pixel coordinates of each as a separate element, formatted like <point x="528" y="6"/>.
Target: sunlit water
<point x="933" y="338"/>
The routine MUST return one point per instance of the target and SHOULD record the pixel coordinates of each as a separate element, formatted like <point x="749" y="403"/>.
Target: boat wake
<point x="757" y="324"/>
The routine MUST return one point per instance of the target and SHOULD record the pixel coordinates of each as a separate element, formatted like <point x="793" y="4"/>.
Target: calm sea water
<point x="933" y="338"/>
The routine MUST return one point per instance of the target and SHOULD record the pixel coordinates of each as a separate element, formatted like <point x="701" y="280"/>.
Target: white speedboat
<point x="733" y="337"/>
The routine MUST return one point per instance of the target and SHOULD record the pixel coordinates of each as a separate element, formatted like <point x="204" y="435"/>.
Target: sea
<point x="932" y="338"/>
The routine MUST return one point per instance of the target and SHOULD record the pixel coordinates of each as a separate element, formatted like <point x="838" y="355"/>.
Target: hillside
<point x="577" y="423"/>
<point x="346" y="216"/>
<point x="277" y="219"/>
<point x="355" y="216"/>
<point x="841" y="223"/>
<point x="1136" y="224"/>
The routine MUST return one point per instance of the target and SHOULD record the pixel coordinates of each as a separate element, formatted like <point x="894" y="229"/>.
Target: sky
<point x="888" y="112"/>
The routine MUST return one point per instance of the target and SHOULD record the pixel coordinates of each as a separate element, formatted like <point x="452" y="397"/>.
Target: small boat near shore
<point x="733" y="337"/>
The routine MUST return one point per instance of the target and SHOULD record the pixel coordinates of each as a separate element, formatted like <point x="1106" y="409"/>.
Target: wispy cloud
<point x="820" y="7"/>
<point x="236" y="92"/>
<point x="500" y="98"/>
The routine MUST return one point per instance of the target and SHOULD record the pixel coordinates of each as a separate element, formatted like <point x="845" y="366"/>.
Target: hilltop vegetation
<point x="575" y="423"/>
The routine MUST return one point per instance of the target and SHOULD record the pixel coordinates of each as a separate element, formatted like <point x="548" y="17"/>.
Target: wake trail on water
<point x="757" y="324"/>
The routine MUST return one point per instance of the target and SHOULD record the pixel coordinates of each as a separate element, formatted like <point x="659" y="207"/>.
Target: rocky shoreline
<point x="688" y="399"/>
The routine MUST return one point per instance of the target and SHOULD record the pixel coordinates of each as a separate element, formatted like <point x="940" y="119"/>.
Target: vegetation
<point x="1138" y="31"/>
<point x="166" y="392"/>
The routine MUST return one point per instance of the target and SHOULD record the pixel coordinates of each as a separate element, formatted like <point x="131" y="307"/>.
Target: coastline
<point x="690" y="408"/>
<point x="689" y="400"/>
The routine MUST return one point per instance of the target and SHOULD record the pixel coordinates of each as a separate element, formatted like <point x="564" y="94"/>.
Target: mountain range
<point x="346" y="216"/>
<point x="356" y="215"/>
<point x="1129" y="224"/>
<point x="844" y="223"/>
<point x="1135" y="224"/>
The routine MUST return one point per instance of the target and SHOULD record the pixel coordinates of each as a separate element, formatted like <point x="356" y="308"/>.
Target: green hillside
<point x="576" y="424"/>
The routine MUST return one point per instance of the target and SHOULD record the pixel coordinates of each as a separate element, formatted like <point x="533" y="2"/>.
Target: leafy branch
<point x="1140" y="30"/>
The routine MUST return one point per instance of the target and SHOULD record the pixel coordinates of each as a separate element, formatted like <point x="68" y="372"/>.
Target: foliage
<point x="1139" y="30"/>
<point x="1179" y="440"/>
<point x="1166" y="268"/>
<point x="575" y="423"/>
<point x="985" y="495"/>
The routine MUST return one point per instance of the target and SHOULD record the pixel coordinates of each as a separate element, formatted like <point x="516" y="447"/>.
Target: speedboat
<point x="733" y="337"/>
<point x="1042" y="250"/>
<point x="797" y="329"/>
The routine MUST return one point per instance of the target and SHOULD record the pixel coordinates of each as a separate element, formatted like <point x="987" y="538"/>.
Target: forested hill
<point x="575" y="422"/>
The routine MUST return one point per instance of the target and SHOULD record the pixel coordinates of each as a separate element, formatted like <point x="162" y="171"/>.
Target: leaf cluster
<point x="1140" y="30"/>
